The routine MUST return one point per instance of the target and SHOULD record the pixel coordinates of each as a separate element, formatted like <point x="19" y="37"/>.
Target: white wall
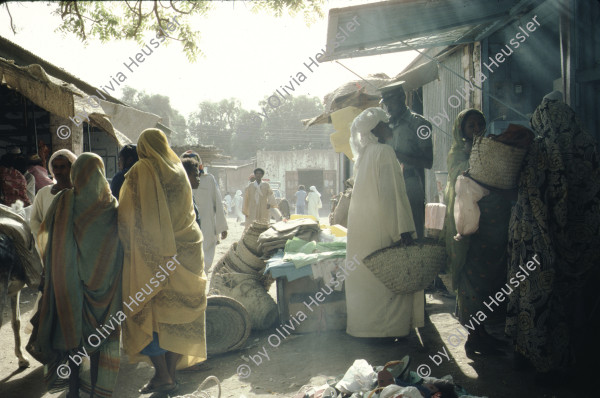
<point x="276" y="163"/>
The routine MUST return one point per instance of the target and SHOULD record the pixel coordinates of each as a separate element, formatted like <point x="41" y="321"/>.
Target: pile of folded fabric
<point x="395" y="379"/>
<point x="279" y="233"/>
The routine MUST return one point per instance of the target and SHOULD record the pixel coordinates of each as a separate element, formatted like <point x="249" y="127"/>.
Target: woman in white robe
<point x="379" y="216"/>
<point x="314" y="202"/>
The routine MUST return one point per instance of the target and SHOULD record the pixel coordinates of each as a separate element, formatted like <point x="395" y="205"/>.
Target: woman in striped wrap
<point x="80" y="309"/>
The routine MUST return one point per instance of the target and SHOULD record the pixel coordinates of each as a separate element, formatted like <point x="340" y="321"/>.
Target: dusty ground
<point x="303" y="359"/>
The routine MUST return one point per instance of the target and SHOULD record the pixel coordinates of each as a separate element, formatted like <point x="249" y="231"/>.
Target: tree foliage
<point x="159" y="105"/>
<point x="283" y="127"/>
<point x="214" y="123"/>
<point x="240" y="133"/>
<point x="108" y="20"/>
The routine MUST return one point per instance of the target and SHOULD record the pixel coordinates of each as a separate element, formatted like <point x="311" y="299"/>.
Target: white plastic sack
<point x="466" y="210"/>
<point x="359" y="377"/>
<point x="435" y="213"/>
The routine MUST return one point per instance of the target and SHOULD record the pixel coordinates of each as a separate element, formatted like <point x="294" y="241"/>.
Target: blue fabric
<point x="153" y="349"/>
<point x="277" y="267"/>
<point x="301" y="198"/>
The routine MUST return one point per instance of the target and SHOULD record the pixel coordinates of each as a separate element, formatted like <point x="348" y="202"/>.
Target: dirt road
<point x="304" y="359"/>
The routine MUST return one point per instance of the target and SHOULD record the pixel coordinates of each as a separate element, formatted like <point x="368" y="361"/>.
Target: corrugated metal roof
<point x="394" y="26"/>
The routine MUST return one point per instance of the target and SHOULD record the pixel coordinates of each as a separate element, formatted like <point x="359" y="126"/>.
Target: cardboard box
<point x="328" y="310"/>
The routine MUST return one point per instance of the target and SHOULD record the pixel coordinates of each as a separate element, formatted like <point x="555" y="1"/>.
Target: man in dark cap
<point x="127" y="157"/>
<point x="412" y="142"/>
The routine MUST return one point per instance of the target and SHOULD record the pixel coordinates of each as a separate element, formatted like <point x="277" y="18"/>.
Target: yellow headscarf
<point x="156" y="222"/>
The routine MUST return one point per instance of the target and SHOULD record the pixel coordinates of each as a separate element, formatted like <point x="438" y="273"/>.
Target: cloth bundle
<point x="301" y="252"/>
<point x="279" y="233"/>
<point x="466" y="209"/>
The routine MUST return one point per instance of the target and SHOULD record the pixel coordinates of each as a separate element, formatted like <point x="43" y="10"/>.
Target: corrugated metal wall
<point x="435" y="104"/>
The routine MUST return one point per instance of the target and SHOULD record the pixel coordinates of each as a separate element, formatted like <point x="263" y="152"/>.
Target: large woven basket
<point x="250" y="292"/>
<point x="227" y="324"/>
<point x="246" y="255"/>
<point x="236" y="263"/>
<point x="250" y="237"/>
<point x="407" y="269"/>
<point x="495" y="164"/>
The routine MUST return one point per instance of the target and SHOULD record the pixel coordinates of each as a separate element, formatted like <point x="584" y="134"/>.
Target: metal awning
<point x="394" y="26"/>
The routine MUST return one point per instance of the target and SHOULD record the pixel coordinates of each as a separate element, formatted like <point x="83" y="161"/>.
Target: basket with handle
<point x="407" y="269"/>
<point x="495" y="164"/>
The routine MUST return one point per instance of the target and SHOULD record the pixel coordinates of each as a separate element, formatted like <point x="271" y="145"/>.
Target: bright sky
<point x="246" y="55"/>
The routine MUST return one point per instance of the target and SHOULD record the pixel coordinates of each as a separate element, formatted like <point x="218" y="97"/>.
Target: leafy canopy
<point x="108" y="20"/>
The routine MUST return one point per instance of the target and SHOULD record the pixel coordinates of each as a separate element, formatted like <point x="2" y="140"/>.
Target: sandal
<point x="163" y="388"/>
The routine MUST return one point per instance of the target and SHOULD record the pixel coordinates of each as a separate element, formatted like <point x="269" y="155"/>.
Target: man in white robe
<point x="379" y="216"/>
<point x="258" y="199"/>
<point x="210" y="208"/>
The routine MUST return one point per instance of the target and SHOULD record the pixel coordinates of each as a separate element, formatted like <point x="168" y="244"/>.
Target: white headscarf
<point x="314" y="189"/>
<point x="71" y="157"/>
<point x="238" y="193"/>
<point x="361" y="131"/>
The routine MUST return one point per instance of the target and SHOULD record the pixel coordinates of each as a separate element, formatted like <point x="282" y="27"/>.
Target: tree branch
<point x="80" y="19"/>
<point x="194" y="5"/>
<point x="12" y="25"/>
<point x="158" y="18"/>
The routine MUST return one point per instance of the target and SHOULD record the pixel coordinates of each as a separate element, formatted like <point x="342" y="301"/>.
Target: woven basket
<point x="246" y="255"/>
<point x="250" y="237"/>
<point x="249" y="291"/>
<point x="227" y="324"/>
<point x="236" y="263"/>
<point x="495" y="164"/>
<point x="407" y="269"/>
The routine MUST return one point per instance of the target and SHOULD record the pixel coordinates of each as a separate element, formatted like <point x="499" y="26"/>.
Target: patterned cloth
<point x="82" y="289"/>
<point x="41" y="177"/>
<point x="163" y="271"/>
<point x="557" y="217"/>
<point x="478" y="261"/>
<point x="14" y="187"/>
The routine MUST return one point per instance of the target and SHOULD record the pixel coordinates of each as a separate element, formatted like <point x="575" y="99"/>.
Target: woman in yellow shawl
<point x="163" y="271"/>
<point x="81" y="302"/>
<point x="478" y="261"/>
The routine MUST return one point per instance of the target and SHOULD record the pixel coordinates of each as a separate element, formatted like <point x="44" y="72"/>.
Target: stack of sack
<point x="279" y="233"/>
<point x="239" y="275"/>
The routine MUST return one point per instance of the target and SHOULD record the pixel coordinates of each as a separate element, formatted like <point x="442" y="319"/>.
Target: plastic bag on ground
<point x="359" y="377"/>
